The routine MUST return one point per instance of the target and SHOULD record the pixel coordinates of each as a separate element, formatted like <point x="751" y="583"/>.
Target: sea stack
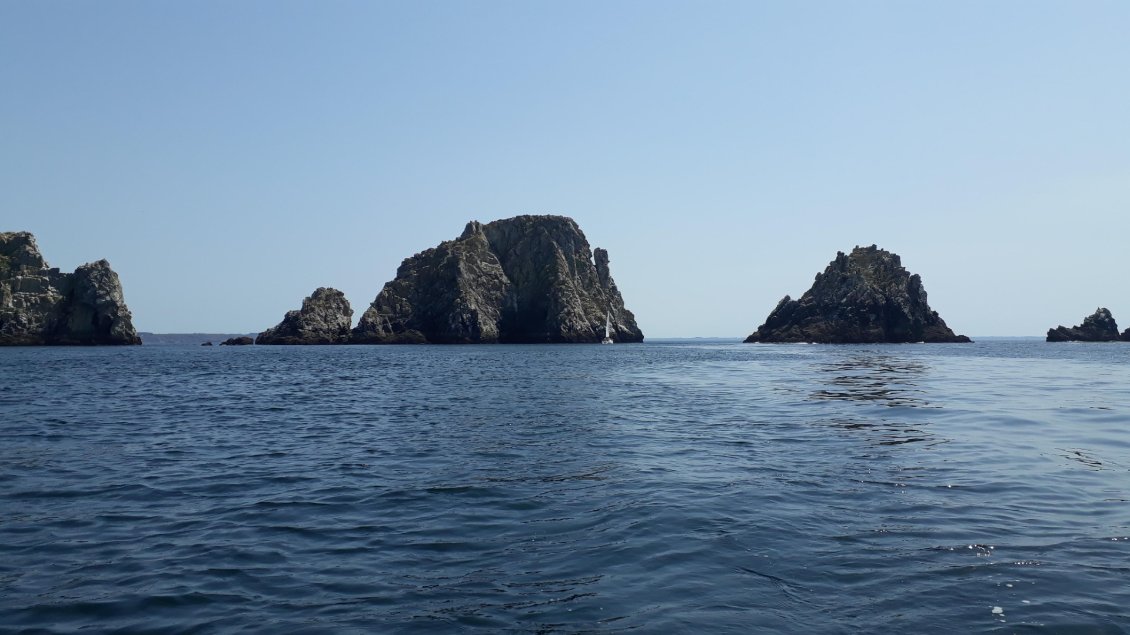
<point x="324" y="318"/>
<point x="1097" y="327"/>
<point x="865" y="297"/>
<point x="527" y="279"/>
<point x="39" y="305"/>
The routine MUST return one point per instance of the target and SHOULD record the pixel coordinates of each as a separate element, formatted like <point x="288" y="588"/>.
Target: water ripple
<point x="655" y="488"/>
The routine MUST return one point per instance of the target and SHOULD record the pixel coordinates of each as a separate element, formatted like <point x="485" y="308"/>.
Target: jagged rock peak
<point x="40" y="305"/>
<point x="325" y="318"/>
<point x="860" y="298"/>
<point x="1097" y="327"/>
<point x="521" y="279"/>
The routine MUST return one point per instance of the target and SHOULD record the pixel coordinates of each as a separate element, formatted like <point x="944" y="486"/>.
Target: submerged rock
<point x="522" y="279"/>
<point x="40" y="305"/>
<point x="208" y="343"/>
<point x="1097" y="327"/>
<point x="861" y="298"/>
<point x="325" y="318"/>
<point x="241" y="341"/>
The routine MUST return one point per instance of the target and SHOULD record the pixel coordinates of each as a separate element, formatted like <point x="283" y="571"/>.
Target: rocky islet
<point x="40" y="305"/>
<point x="325" y="318"/>
<point x="1097" y="327"/>
<point x="863" y="297"/>
<point x="527" y="279"/>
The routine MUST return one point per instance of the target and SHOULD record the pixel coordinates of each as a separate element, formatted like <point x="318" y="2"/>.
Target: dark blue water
<point x="656" y="488"/>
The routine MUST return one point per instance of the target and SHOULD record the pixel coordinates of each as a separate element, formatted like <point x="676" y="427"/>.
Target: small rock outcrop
<point x="1126" y="335"/>
<point x="527" y="279"/>
<point x="244" y="341"/>
<point x="325" y="318"/>
<point x="864" y="297"/>
<point x="208" y="343"/>
<point x="1097" y="327"/>
<point x="40" y="305"/>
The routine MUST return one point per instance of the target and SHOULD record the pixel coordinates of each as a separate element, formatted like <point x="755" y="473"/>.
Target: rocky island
<point x="40" y="305"/>
<point x="325" y="318"/>
<point x="527" y="279"/>
<point x="864" y="297"/>
<point x="1097" y="327"/>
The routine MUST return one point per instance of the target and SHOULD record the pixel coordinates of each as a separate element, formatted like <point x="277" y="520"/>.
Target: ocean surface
<point x="670" y="487"/>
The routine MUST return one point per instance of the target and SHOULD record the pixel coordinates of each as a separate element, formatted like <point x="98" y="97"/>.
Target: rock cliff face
<point x="40" y="305"/>
<point x="324" y="318"/>
<point x="523" y="279"/>
<point x="1097" y="327"/>
<point x="862" y="298"/>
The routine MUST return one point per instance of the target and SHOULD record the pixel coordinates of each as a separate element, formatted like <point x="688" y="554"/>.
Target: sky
<point x="228" y="158"/>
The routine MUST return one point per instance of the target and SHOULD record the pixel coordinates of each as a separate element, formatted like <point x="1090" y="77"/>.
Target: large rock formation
<point x="324" y="318"/>
<point x="862" y="298"/>
<point x="40" y="305"/>
<point x="1097" y="327"/>
<point x="522" y="279"/>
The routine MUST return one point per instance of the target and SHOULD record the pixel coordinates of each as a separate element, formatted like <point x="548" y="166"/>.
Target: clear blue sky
<point x="230" y="157"/>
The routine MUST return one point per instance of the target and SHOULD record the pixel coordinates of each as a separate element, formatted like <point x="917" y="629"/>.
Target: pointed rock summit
<point x="861" y="298"/>
<point x="40" y="305"/>
<point x="324" y="318"/>
<point x="1097" y="327"/>
<point x="522" y="279"/>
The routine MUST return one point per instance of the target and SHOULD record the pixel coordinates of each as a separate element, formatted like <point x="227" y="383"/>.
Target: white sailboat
<point x="607" y="329"/>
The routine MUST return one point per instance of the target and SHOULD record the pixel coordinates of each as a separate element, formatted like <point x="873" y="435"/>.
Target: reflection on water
<point x="1088" y="458"/>
<point x="890" y="432"/>
<point x="871" y="376"/>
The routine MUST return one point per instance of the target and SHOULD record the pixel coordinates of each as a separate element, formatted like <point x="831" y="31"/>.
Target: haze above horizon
<point x="229" y="158"/>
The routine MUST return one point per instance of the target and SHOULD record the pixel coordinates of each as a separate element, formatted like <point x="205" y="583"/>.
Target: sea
<point x="694" y="486"/>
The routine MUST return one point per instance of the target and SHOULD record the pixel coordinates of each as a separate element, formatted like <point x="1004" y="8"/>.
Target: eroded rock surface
<point x="325" y="318"/>
<point x="523" y="279"/>
<point x="41" y="305"/>
<point x="860" y="298"/>
<point x="1097" y="327"/>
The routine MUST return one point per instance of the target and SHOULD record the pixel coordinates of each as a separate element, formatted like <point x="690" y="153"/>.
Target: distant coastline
<point x="185" y="339"/>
